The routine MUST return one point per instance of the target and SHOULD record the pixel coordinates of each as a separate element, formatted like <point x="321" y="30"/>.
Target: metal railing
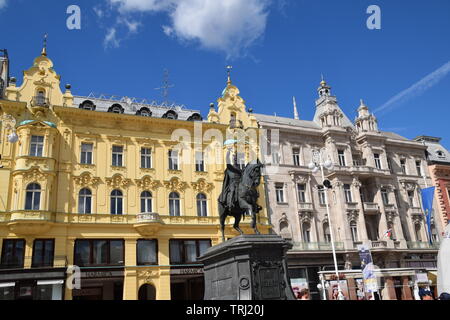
<point x="423" y="245"/>
<point x="40" y="101"/>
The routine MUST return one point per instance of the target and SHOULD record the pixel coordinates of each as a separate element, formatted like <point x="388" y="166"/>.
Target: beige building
<point x="374" y="200"/>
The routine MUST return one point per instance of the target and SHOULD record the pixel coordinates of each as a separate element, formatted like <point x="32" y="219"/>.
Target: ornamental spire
<point x="229" y="68"/>
<point x="296" y="117"/>
<point x="44" y="48"/>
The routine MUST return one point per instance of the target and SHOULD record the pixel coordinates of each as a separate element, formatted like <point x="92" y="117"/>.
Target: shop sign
<point x="186" y="271"/>
<point x="101" y="274"/>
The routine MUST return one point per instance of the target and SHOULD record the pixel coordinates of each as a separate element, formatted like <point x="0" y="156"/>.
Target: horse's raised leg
<point x="253" y="225"/>
<point x="237" y="220"/>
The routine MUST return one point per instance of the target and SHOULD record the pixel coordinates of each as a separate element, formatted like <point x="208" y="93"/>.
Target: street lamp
<point x="316" y="165"/>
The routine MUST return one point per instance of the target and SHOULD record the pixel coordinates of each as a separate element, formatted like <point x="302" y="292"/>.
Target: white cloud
<point x="130" y="24"/>
<point x="417" y="89"/>
<point x="2" y="4"/>
<point x="110" y="39"/>
<point x="231" y="26"/>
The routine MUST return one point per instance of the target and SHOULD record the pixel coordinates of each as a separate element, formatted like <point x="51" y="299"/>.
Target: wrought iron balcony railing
<point x="316" y="246"/>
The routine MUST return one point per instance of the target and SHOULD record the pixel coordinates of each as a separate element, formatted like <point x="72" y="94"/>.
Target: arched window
<point x="116" y="202"/>
<point x="284" y="230"/>
<point x="195" y="117"/>
<point x="354" y="231"/>
<point x="174" y="204"/>
<point x="33" y="197"/>
<point x="146" y="202"/>
<point x="202" y="207"/>
<point x="144" y="111"/>
<point x="87" y="105"/>
<point x="84" y="201"/>
<point x="40" y="98"/>
<point x="147" y="292"/>
<point x="170" y="115"/>
<point x="326" y="232"/>
<point x="306" y="229"/>
<point x="116" y="108"/>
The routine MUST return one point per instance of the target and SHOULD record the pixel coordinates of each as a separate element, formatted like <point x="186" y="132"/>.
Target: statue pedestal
<point x="248" y="267"/>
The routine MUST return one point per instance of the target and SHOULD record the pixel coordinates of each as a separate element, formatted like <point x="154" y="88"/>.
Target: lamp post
<point x="316" y="165"/>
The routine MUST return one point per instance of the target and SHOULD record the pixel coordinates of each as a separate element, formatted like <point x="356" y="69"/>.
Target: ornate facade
<point x="127" y="191"/>
<point x="374" y="197"/>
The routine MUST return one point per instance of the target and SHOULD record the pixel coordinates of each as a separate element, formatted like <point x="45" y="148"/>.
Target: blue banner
<point x="427" y="202"/>
<point x="368" y="271"/>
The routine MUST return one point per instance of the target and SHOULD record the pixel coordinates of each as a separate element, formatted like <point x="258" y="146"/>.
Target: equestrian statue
<point x="240" y="195"/>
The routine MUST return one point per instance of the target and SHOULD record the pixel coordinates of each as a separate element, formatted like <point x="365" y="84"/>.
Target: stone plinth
<point x="248" y="267"/>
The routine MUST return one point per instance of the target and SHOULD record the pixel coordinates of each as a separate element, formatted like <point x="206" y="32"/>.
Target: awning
<point x="47" y="282"/>
<point x="7" y="284"/>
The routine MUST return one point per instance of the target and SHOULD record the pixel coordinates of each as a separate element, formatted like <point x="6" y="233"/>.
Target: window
<point x="348" y="193"/>
<point x="147" y="252"/>
<point x="296" y="155"/>
<point x="199" y="162"/>
<point x="419" y="167"/>
<point x="33" y="197"/>
<point x="84" y="201"/>
<point x="86" y="153"/>
<point x="146" y="202"/>
<point x="403" y="165"/>
<point x="116" y="202"/>
<point x="13" y="252"/>
<point x="117" y="156"/>
<point x="187" y="251"/>
<point x="87" y="105"/>
<point x="301" y="190"/>
<point x="354" y="231"/>
<point x="279" y="190"/>
<point x="306" y="228"/>
<point x="116" y="108"/>
<point x="173" y="160"/>
<point x="326" y="232"/>
<point x="321" y="190"/>
<point x="434" y="233"/>
<point x="275" y="157"/>
<point x="202" y="207"/>
<point x="377" y="160"/>
<point x="174" y="204"/>
<point x="99" y="252"/>
<point x="36" y="146"/>
<point x="411" y="198"/>
<point x="390" y="226"/>
<point x="385" y="196"/>
<point x="146" y="158"/>
<point x="357" y="161"/>
<point x="341" y="157"/>
<point x="43" y="251"/>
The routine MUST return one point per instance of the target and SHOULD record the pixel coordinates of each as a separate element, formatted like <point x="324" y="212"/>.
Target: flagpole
<point x="424" y="176"/>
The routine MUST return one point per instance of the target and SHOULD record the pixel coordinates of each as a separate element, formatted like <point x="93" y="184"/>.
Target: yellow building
<point x="125" y="191"/>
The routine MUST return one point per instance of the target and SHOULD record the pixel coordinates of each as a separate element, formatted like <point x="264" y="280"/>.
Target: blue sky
<point x="278" y="49"/>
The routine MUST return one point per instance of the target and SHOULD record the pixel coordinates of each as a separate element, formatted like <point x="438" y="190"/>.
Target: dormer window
<point x="170" y="115"/>
<point x="87" y="105"/>
<point x="116" y="108"/>
<point x="40" y="100"/>
<point x="144" y="112"/>
<point x="440" y="154"/>
<point x="195" y="117"/>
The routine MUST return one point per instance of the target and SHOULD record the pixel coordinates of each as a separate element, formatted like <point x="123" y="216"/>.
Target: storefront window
<point x="7" y="291"/>
<point x="49" y="290"/>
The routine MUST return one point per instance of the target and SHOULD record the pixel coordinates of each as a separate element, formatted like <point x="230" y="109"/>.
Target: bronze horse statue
<point x="240" y="195"/>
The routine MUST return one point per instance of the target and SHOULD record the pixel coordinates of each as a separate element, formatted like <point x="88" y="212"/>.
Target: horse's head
<point x="252" y="172"/>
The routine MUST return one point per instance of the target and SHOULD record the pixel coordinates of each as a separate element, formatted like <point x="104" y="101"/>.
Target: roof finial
<point x="44" y="49"/>
<point x="295" y="109"/>
<point x="229" y="68"/>
<point x="323" y="82"/>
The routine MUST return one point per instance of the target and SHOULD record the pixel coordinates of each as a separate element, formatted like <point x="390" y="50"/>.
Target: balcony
<point x="418" y="245"/>
<point x="316" y="246"/>
<point x="371" y="207"/>
<point x="304" y="206"/>
<point x="416" y="211"/>
<point x="389" y="207"/>
<point x="379" y="244"/>
<point x="29" y="222"/>
<point x="352" y="205"/>
<point x="40" y="101"/>
<point x="148" y="223"/>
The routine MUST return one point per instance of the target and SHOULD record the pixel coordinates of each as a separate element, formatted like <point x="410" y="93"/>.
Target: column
<point x="382" y="225"/>
<point x="130" y="277"/>
<point x="406" y="290"/>
<point x="69" y="249"/>
<point x="352" y="288"/>
<point x="163" y="289"/>
<point x="389" y="284"/>
<point x="28" y="252"/>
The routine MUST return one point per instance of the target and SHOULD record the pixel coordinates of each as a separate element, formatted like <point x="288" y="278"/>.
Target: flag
<point x="388" y="233"/>
<point x="368" y="271"/>
<point x="427" y="202"/>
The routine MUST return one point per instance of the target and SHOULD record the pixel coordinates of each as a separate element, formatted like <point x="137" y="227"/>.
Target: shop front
<point x="32" y="285"/>
<point x="100" y="285"/>
<point x="187" y="283"/>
